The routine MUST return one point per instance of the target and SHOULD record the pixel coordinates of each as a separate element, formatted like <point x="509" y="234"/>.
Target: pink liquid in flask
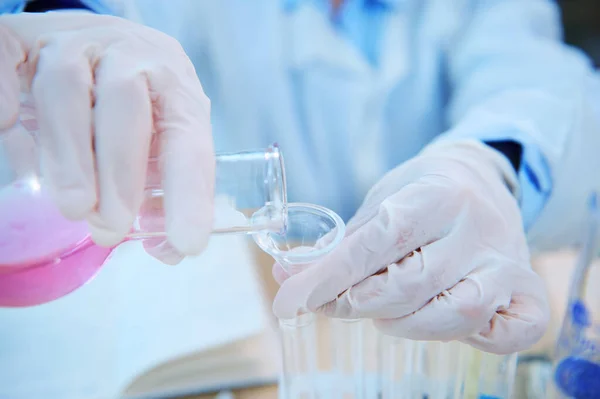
<point x="43" y="256"/>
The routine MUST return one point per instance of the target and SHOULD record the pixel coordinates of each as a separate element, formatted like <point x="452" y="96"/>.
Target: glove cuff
<point x="470" y="150"/>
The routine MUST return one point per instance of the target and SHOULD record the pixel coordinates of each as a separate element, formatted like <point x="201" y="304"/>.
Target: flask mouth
<point x="246" y="183"/>
<point x="275" y="209"/>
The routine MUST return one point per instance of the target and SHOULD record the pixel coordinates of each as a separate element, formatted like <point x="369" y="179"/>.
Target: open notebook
<point x="141" y="327"/>
<point x="244" y="363"/>
<point x="250" y="361"/>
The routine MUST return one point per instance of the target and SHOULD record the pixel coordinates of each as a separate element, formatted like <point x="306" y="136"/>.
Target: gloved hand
<point x="436" y="252"/>
<point x="104" y="88"/>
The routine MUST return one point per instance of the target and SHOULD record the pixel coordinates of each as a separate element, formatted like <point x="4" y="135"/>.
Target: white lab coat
<point x="487" y="69"/>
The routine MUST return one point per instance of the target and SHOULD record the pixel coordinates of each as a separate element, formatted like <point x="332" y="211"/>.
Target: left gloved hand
<point x="108" y="94"/>
<point x="436" y="252"/>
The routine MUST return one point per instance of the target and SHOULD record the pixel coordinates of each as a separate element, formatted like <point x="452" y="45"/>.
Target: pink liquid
<point x="43" y="256"/>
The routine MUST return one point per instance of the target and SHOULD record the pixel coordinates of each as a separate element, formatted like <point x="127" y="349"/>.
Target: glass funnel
<point x="44" y="256"/>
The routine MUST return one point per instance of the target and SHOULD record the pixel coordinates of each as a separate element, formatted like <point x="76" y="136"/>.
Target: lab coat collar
<point x="314" y="42"/>
<point x="291" y="5"/>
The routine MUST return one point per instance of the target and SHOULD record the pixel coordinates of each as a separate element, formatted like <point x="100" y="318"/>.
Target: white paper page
<point x="134" y="315"/>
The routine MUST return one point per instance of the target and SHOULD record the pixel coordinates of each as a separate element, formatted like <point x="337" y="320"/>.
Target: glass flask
<point x="44" y="256"/>
<point x="576" y="369"/>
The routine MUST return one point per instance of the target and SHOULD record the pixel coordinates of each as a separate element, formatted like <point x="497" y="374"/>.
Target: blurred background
<point x="581" y="19"/>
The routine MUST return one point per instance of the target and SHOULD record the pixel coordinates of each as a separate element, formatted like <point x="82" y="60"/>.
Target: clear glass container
<point x="350" y="368"/>
<point x="443" y="370"/>
<point x="44" y="256"/>
<point x="311" y="233"/>
<point x="576" y="369"/>
<point x="416" y="369"/>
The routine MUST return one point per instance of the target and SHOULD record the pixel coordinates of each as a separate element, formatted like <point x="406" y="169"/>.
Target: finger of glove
<point x="401" y="225"/>
<point x="152" y="219"/>
<point x="472" y="306"/>
<point x="163" y="251"/>
<point x="412" y="282"/>
<point x="123" y="127"/>
<point x="61" y="90"/>
<point x="519" y="325"/>
<point x="187" y="161"/>
<point x="383" y="295"/>
<point x="13" y="55"/>
<point x="279" y="273"/>
<point x="407" y="285"/>
<point x="453" y="314"/>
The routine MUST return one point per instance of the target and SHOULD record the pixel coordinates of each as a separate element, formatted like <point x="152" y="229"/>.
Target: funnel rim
<point x="291" y="257"/>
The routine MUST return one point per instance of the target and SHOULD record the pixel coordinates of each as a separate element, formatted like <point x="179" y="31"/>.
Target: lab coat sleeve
<point x="97" y="6"/>
<point x="512" y="78"/>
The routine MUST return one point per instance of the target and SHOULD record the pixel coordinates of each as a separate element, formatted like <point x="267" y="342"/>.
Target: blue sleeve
<point x="513" y="79"/>
<point x="15" y="6"/>
<point x="11" y="6"/>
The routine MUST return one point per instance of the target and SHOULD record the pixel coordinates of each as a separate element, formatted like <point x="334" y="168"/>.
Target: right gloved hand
<point x="104" y="89"/>
<point x="437" y="252"/>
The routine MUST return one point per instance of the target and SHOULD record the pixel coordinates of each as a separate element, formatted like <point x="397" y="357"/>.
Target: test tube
<point x="497" y="376"/>
<point x="485" y="375"/>
<point x="299" y="363"/>
<point x="347" y="343"/>
<point x="402" y="374"/>
<point x="311" y="233"/>
<point x="417" y="369"/>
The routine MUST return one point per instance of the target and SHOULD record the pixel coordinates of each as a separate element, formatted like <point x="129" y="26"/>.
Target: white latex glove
<point x="436" y="252"/>
<point x="104" y="88"/>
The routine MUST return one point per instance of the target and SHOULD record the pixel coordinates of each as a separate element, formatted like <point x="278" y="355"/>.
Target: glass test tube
<point x="44" y="256"/>
<point x="532" y="377"/>
<point x="485" y="375"/>
<point x="347" y="343"/>
<point x="311" y="233"/>
<point x="443" y="370"/>
<point x="416" y="369"/>
<point x="299" y="363"/>
<point x="497" y="376"/>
